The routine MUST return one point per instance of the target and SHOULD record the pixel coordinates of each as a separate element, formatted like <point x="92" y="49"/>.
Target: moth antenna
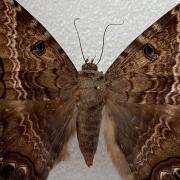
<point x="79" y="38"/>
<point x="104" y="39"/>
<point x="93" y="59"/>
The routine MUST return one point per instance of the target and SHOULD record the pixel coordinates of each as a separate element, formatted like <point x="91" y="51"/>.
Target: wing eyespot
<point x="38" y="48"/>
<point x="7" y="170"/>
<point x="150" y="52"/>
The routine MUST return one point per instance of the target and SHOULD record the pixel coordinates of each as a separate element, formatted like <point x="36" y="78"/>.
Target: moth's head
<point x="167" y="170"/>
<point x="89" y="66"/>
<point x="14" y="166"/>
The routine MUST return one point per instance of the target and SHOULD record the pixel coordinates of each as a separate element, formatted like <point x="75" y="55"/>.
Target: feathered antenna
<point x="79" y="39"/>
<point x="104" y="39"/>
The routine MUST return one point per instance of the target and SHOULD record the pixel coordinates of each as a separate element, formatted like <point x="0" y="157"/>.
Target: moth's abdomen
<point x="88" y="126"/>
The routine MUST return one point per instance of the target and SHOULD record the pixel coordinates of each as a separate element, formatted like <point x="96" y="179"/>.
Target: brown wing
<point x="143" y="101"/>
<point x="33" y="65"/>
<point x="141" y="137"/>
<point x="37" y="86"/>
<point x="147" y="72"/>
<point x="33" y="137"/>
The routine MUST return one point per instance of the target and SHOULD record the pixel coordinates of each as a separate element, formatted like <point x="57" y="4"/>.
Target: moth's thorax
<point x="91" y="87"/>
<point x="90" y="103"/>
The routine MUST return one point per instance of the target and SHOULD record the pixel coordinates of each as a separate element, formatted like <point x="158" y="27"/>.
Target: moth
<point x="44" y="101"/>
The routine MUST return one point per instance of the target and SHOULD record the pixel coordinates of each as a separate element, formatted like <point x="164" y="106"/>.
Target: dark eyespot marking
<point x="176" y="173"/>
<point x="150" y="52"/>
<point x="7" y="171"/>
<point x="38" y="48"/>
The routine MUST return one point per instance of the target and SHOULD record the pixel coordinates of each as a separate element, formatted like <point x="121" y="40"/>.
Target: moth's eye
<point x="7" y="170"/>
<point x="21" y="173"/>
<point x="176" y="173"/>
<point x="150" y="52"/>
<point x="38" y="48"/>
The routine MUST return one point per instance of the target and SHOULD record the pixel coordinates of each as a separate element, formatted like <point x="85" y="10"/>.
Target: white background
<point x="57" y="16"/>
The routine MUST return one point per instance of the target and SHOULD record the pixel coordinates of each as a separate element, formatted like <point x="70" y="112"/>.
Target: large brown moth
<point x="44" y="101"/>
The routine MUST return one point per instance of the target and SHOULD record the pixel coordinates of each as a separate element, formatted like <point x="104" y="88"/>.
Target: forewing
<point x="142" y="104"/>
<point x="147" y="72"/>
<point x="33" y="65"/>
<point x="37" y="96"/>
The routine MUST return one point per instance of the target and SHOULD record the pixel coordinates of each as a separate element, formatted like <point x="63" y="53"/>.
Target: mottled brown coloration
<point x="143" y="102"/>
<point x="44" y="100"/>
<point x="36" y="94"/>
